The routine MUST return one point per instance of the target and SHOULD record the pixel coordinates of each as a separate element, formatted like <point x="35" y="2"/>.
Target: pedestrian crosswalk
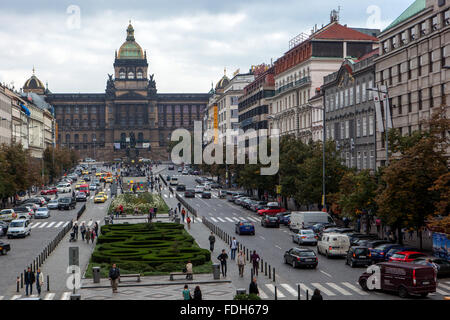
<point x="233" y="219"/>
<point x="334" y="290"/>
<point x="59" y="225"/>
<point x="43" y="296"/>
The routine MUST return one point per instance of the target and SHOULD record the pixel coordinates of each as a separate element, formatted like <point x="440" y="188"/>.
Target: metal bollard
<point x="307" y="295"/>
<point x="262" y="265"/>
<point x="21" y="279"/>
<point x="273" y="274"/>
<point x="265" y="271"/>
<point x="18" y="284"/>
<point x="48" y="283"/>
<point x="276" y="291"/>
<point x="298" y="291"/>
<point x="270" y="272"/>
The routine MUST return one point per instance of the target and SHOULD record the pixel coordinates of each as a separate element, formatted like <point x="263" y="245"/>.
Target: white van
<point x="64" y="187"/>
<point x="19" y="228"/>
<point x="333" y="244"/>
<point x="305" y="219"/>
<point x="174" y="181"/>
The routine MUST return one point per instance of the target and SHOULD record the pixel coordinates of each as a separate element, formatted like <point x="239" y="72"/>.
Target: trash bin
<point x="216" y="271"/>
<point x="177" y="220"/>
<point x="107" y="220"/>
<point x="96" y="274"/>
<point x="240" y="291"/>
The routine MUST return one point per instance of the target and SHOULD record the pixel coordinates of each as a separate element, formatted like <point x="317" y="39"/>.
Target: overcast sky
<point x="188" y="42"/>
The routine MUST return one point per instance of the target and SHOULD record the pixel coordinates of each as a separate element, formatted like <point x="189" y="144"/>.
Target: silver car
<point x="306" y="236"/>
<point x="53" y="204"/>
<point x="42" y="213"/>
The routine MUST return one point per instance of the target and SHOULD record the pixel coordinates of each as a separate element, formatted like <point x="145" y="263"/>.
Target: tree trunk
<point x="420" y="239"/>
<point x="400" y="236"/>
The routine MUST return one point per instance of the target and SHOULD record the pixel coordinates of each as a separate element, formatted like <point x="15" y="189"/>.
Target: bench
<point x="138" y="276"/>
<point x="180" y="274"/>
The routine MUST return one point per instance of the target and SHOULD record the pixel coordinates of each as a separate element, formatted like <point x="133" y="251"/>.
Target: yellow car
<point x="99" y="198"/>
<point x="109" y="180"/>
<point x="103" y="194"/>
<point x="85" y="172"/>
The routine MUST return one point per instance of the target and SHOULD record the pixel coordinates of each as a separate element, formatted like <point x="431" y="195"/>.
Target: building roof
<point x="33" y="83"/>
<point x="368" y="55"/>
<point x="130" y="49"/>
<point x="336" y="31"/>
<point x="412" y="10"/>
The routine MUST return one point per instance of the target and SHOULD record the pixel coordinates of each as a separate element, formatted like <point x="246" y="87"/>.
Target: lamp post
<point x="386" y="143"/>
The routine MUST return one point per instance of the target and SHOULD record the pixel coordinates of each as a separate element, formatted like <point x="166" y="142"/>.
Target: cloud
<point x="188" y="43"/>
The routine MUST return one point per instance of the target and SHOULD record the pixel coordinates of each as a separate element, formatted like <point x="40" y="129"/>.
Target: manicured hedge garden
<point x="144" y="248"/>
<point x="143" y="201"/>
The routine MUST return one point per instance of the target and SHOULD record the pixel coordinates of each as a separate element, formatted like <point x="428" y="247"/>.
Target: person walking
<point x="197" y="293"/>
<point x="179" y="206"/>
<point x="233" y="248"/>
<point x="189" y="271"/>
<point x="75" y="230"/>
<point x="183" y="214"/>
<point x="82" y="231"/>
<point x="39" y="280"/>
<point x="212" y="240"/>
<point x="316" y="296"/>
<point x="186" y="293"/>
<point x="378" y="224"/>
<point x="114" y="275"/>
<point x="253" y="288"/>
<point x="93" y="235"/>
<point x="254" y="258"/>
<point x="188" y="221"/>
<point x="29" y="280"/>
<point x="96" y="228"/>
<point x="88" y="235"/>
<point x="241" y="263"/>
<point x="223" y="262"/>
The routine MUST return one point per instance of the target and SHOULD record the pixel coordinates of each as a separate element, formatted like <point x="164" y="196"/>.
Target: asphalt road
<point x="332" y="277"/>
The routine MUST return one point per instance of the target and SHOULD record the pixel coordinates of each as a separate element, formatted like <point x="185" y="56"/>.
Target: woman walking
<point x="88" y="235"/>
<point x="93" y="234"/>
<point x="197" y="293"/>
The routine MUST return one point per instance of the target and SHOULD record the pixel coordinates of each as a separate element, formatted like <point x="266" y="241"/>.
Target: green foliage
<point x="246" y="297"/>
<point x="140" y="249"/>
<point x="143" y="201"/>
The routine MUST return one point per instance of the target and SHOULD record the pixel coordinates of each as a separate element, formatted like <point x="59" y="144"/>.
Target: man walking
<point x="82" y="231"/>
<point x="75" y="230"/>
<point x="241" y="263"/>
<point x="253" y="289"/>
<point x="183" y="214"/>
<point x="39" y="280"/>
<point x="223" y="262"/>
<point x="212" y="240"/>
<point x="96" y="228"/>
<point x="114" y="275"/>
<point x="254" y="258"/>
<point x="29" y="280"/>
<point x="188" y="221"/>
<point x="189" y="271"/>
<point x="233" y="248"/>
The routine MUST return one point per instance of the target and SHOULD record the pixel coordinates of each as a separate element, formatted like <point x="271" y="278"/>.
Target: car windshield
<point x="53" y="201"/>
<point x="305" y="253"/>
<point x="307" y="232"/>
<point x="398" y="256"/>
<point x="17" y="224"/>
<point x="64" y="200"/>
<point x="42" y="209"/>
<point x="361" y="251"/>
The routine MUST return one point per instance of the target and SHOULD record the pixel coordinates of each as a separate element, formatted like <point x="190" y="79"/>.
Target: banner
<point x="378" y="114"/>
<point x="146" y="145"/>
<point x="216" y="124"/>
<point x="388" y="107"/>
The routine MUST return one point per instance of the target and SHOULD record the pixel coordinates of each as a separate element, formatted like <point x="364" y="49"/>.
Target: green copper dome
<point x="130" y="49"/>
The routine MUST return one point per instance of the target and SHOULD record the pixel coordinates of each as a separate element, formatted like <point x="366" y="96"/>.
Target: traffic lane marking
<point x="323" y="289"/>
<point x="327" y="274"/>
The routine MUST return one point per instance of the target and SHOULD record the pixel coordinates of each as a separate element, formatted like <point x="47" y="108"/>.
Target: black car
<point x="87" y="178"/>
<point x="358" y="256"/>
<point x="369" y="243"/>
<point x="442" y="264"/>
<point x="189" y="193"/>
<point x="81" y="196"/>
<point x="206" y="195"/>
<point x="168" y="178"/>
<point x="354" y="236"/>
<point x="4" y="248"/>
<point x="299" y="257"/>
<point x="39" y="202"/>
<point x="270" y="221"/>
<point x="66" y="203"/>
<point x="181" y="187"/>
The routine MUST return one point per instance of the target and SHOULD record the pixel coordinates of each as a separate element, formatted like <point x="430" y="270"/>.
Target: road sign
<point x="278" y="189"/>
<point x="74" y="256"/>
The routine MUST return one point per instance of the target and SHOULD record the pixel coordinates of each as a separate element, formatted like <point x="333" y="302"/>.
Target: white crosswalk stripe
<point x="58" y="224"/>
<point x="35" y="225"/>
<point x="15" y="297"/>
<point x="443" y="286"/>
<point x="220" y="219"/>
<point x="90" y="223"/>
<point x="262" y="294"/>
<point x="229" y="219"/>
<point x="289" y="289"/>
<point x="43" y="225"/>
<point x="441" y="292"/>
<point x="65" y="296"/>
<point x="323" y="289"/>
<point x="337" y="288"/>
<point x="50" y="224"/>
<point x="305" y="288"/>
<point x="49" y="296"/>
<point x="65" y="224"/>
<point x="213" y="219"/>
<point x="354" y="288"/>
<point x="271" y="288"/>
<point x="235" y="219"/>
<point x="253" y="219"/>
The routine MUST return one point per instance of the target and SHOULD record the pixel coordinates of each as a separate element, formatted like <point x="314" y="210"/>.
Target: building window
<point x="365" y="160"/>
<point x="394" y="42"/>
<point x="404" y="38"/>
<point x="122" y="74"/>
<point x="409" y="102"/>
<point x="364" y="126"/>
<point x="358" y="128"/>
<point x="412" y="33"/>
<point x="399" y="72"/>
<point x="140" y="75"/>
<point x="385" y="47"/>
<point x="371" y="126"/>
<point x="358" y="164"/>
<point x="370" y="86"/>
<point x="351" y="96"/>
<point x="130" y="75"/>
<point x="431" y="97"/>
<point x="423" y="28"/>
<point x="358" y="97"/>
<point x="443" y="57"/>
<point x="447" y="17"/>
<point x="372" y="160"/>
<point x="399" y="107"/>
<point x="435" y="23"/>
<point x="347" y="129"/>
<point x="420" y="99"/>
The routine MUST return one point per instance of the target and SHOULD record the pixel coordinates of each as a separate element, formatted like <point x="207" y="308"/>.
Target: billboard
<point x="441" y="245"/>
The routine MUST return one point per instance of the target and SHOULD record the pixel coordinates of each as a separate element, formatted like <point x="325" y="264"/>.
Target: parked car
<point x="24" y="212"/>
<point x="258" y="205"/>
<point x="304" y="219"/>
<point x="245" y="227"/>
<point x="301" y="257"/>
<point x="189" y="193"/>
<point x="81" y="196"/>
<point x="305" y="236"/>
<point x="358" y="256"/>
<point x="42" y="213"/>
<point x="270" y="221"/>
<point x="394" y="250"/>
<point x="443" y="265"/>
<point x="66" y="203"/>
<point x="180" y="170"/>
<point x="406" y="256"/>
<point x="206" y="195"/>
<point x="198" y="189"/>
<point x="215" y="185"/>
<point x="222" y="194"/>
<point x="168" y="178"/>
<point x="319" y="227"/>
<point x="174" y="181"/>
<point x="333" y="244"/>
<point x="53" y="204"/>
<point x="285" y="220"/>
<point x="368" y="243"/>
<point x="3" y="227"/>
<point x="379" y="253"/>
<point x="181" y="187"/>
<point x="19" y="228"/>
<point x="239" y="200"/>
<point x="4" y="248"/>
<point x="272" y="209"/>
<point x="49" y="191"/>
<point x="403" y="278"/>
<point x="354" y="237"/>
<point x="8" y="215"/>
<point x="185" y="172"/>
<point x="171" y="167"/>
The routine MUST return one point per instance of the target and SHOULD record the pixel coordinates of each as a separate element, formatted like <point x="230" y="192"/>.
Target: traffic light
<point x="352" y="144"/>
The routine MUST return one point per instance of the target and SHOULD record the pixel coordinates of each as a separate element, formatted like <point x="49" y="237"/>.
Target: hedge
<point x="143" y="201"/>
<point x="141" y="247"/>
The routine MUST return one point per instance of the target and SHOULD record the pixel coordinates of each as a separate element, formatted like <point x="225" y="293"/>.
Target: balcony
<point x="297" y="84"/>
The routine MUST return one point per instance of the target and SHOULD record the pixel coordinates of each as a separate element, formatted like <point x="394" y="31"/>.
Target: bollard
<point x="270" y="272"/>
<point x="21" y="279"/>
<point x="307" y="295"/>
<point x="48" y="283"/>
<point x="298" y="290"/>
<point x="262" y="265"/>
<point x="273" y="274"/>
<point x="265" y="271"/>
<point x="18" y="283"/>
<point x="251" y="274"/>
<point x="276" y="297"/>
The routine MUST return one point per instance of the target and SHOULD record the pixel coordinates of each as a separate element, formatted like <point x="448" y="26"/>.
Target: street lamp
<point x="385" y="120"/>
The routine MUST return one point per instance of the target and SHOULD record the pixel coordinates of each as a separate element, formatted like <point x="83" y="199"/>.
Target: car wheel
<point x="294" y="265"/>
<point x="285" y="260"/>
<point x="352" y="264"/>
<point x="326" y="253"/>
<point x="363" y="284"/>
<point x="402" y="292"/>
<point x="346" y="261"/>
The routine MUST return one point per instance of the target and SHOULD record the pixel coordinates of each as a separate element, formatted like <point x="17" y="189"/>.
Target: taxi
<point x="103" y="194"/>
<point x="109" y="180"/>
<point x="85" y="172"/>
<point x="99" y="198"/>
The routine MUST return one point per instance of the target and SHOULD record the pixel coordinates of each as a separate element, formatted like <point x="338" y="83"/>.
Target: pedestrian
<point x="241" y="263"/>
<point x="316" y="296"/>
<point x="82" y="231"/>
<point x="186" y="293"/>
<point x="75" y="230"/>
<point x="114" y="275"/>
<point x="197" y="293"/>
<point x="96" y="228"/>
<point x="212" y="240"/>
<point x="39" y="280"/>
<point x="117" y="212"/>
<point x="136" y="211"/>
<point x="183" y="213"/>
<point x="411" y="232"/>
<point x="155" y="211"/>
<point x="233" y="248"/>
<point x="253" y="289"/>
<point x="188" y="221"/>
<point x="378" y="224"/>
<point x="88" y="235"/>
<point x="254" y="258"/>
<point x="223" y="262"/>
<point x="189" y="271"/>
<point x="179" y="206"/>
<point x="121" y="208"/>
<point x="29" y="280"/>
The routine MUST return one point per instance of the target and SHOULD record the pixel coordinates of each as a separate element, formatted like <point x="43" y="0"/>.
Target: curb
<point x="157" y="284"/>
